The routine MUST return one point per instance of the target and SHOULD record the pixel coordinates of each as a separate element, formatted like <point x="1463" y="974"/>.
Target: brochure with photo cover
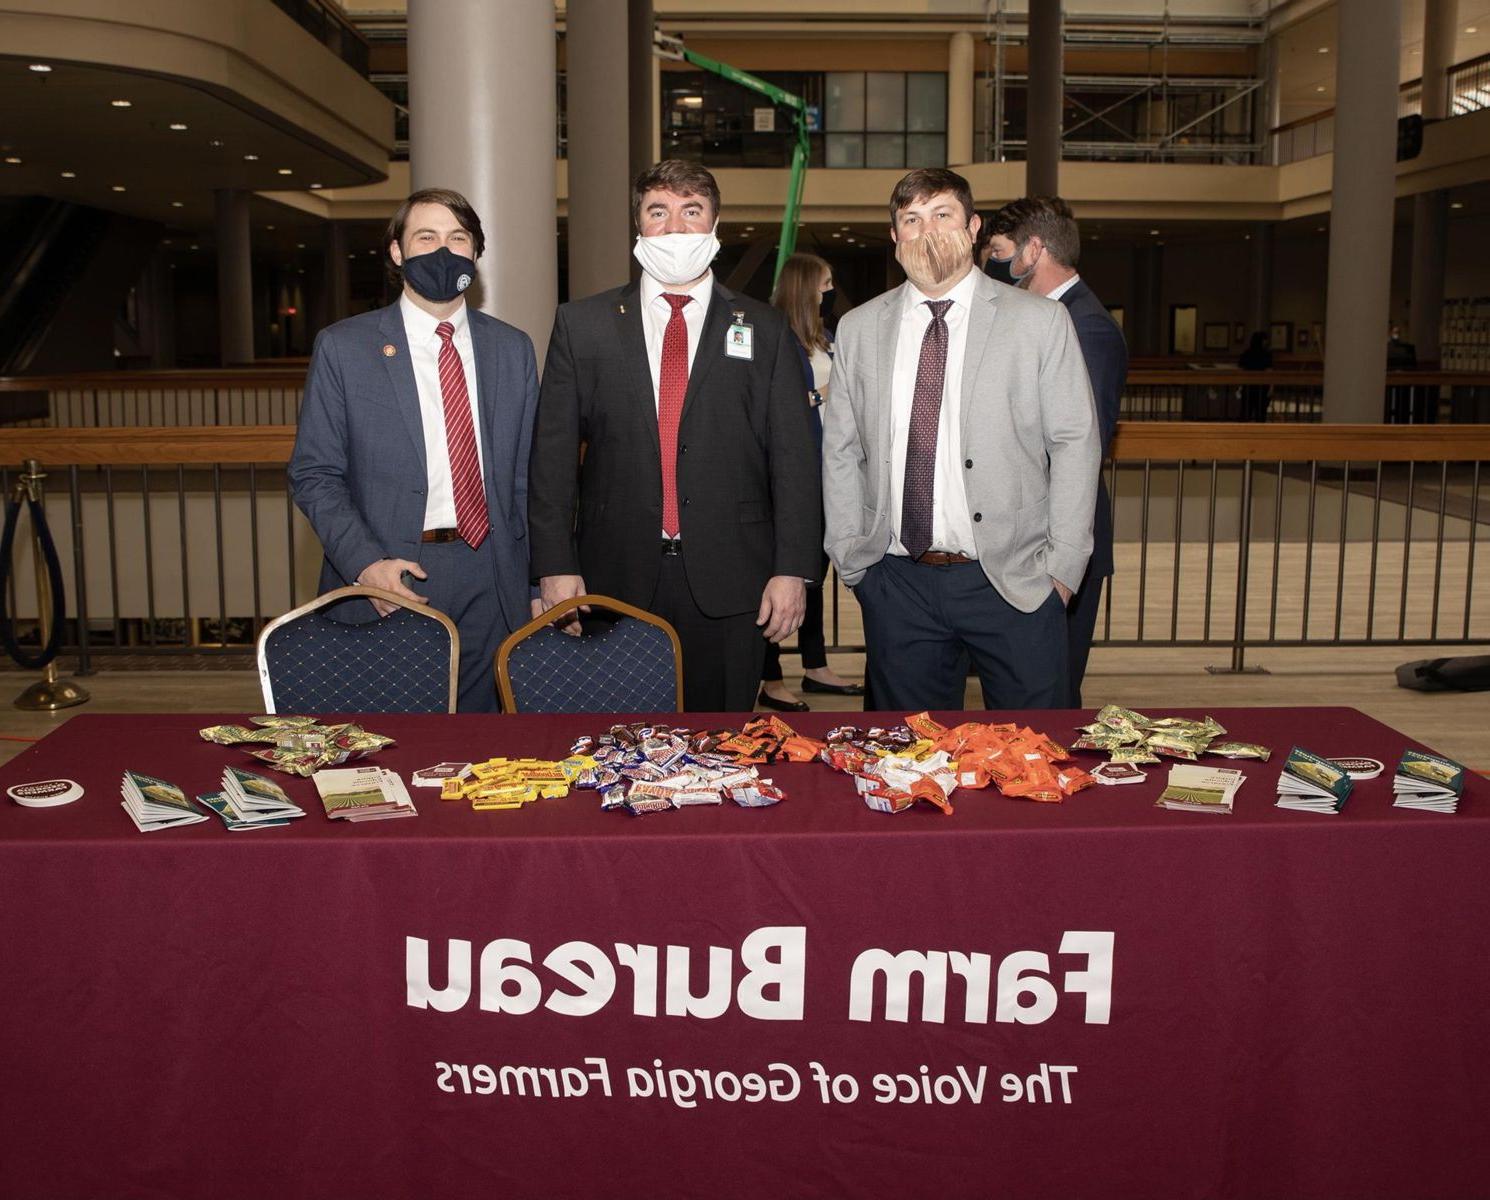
<point x="1428" y="781"/>
<point x="155" y="804"/>
<point x="363" y="794"/>
<point x="1200" y="789"/>
<point x="255" y="799"/>
<point x="220" y="804"/>
<point x="1312" y="783"/>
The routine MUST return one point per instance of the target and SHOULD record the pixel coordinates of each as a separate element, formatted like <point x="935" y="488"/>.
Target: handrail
<point x="1137" y="441"/>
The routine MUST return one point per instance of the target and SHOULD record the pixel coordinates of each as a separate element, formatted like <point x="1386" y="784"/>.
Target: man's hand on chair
<point x="387" y="573"/>
<point x="555" y="589"/>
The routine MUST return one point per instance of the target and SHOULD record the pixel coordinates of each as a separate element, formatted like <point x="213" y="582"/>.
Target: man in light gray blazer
<point x="411" y="459"/>
<point x="960" y="460"/>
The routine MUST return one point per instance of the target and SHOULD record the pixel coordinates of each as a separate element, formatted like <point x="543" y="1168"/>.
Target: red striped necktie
<point x="460" y="442"/>
<point x="672" y="386"/>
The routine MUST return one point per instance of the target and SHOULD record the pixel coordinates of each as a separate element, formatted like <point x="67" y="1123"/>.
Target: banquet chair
<point x="631" y="662"/>
<point x="309" y="662"/>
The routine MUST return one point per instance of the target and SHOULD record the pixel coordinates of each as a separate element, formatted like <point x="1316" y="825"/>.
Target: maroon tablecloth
<point x="1294" y="1005"/>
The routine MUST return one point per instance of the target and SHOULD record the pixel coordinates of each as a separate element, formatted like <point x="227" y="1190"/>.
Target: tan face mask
<point x="935" y="256"/>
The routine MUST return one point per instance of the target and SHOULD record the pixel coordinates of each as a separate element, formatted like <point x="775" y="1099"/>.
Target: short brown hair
<point x="1049" y="219"/>
<point x="798" y="294"/>
<point x="460" y="208"/>
<point x="679" y="177"/>
<point x="925" y="182"/>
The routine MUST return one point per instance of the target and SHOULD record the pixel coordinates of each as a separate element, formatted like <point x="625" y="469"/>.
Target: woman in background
<point x="804" y="293"/>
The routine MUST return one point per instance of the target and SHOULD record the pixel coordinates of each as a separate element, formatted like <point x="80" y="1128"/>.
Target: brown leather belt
<point x="440" y="535"/>
<point x="940" y="558"/>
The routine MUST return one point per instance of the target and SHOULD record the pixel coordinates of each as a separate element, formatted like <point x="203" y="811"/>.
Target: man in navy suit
<point x="1047" y="245"/>
<point x="411" y="460"/>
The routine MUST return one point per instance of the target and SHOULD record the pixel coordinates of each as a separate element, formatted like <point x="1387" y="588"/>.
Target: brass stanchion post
<point x="49" y="692"/>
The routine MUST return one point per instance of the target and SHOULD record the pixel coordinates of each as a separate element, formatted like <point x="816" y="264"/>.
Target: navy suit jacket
<point x="1106" y="355"/>
<point x="358" y="470"/>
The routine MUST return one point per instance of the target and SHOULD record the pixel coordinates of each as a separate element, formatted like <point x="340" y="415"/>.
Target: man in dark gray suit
<point x="411" y="460"/>
<point x="1047" y="245"/>
<point x="960" y="456"/>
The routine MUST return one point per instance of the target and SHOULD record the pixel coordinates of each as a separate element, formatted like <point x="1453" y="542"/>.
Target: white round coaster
<point x="49" y="793"/>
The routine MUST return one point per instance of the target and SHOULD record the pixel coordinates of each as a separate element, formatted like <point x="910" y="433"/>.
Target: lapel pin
<point x="621" y="308"/>
<point x="389" y="350"/>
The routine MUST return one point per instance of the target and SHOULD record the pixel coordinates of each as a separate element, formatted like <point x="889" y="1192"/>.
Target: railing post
<point x="1244" y="544"/>
<point x="80" y="573"/>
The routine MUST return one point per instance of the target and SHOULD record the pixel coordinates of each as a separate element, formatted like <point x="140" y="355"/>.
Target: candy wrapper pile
<point x="299" y="745"/>
<point x="656" y="768"/>
<point x="927" y="761"/>
<point x="507" y="783"/>
<point x="1131" y="737"/>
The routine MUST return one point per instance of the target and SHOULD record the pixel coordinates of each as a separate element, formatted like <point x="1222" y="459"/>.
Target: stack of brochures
<point x="155" y="804"/>
<point x="249" y="801"/>
<point x="1200" y="789"/>
<point x="1310" y="783"/>
<point x="363" y="794"/>
<point x="1428" y="781"/>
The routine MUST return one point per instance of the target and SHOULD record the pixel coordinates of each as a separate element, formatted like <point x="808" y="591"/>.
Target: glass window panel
<point x="845" y="149"/>
<point x="844" y="96"/>
<point x="926" y="150"/>
<point x="884" y="101"/>
<point x="884" y="150"/>
<point x="926" y="102"/>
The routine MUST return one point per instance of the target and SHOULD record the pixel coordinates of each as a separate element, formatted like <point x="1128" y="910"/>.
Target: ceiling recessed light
<point x="118" y="187"/>
<point x="286" y="171"/>
<point x="194" y="246"/>
<point x="250" y="158"/>
<point x="315" y="187"/>
<point x="1320" y="88"/>
<point x="166" y="242"/>
<point x="178" y="126"/>
<point x="371" y="253"/>
<point x="40" y="68"/>
<point x="838" y="235"/>
<point x="177" y="204"/>
<point x="13" y="160"/>
<point x="1457" y="204"/>
<point x="1246" y="237"/>
<point x="299" y="245"/>
<point x="216" y="143"/>
<point x="270" y="228"/>
<point x="750" y="229"/>
<point x="1319" y="229"/>
<point x="69" y="174"/>
<point x="351" y="256"/>
<point x="122" y="103"/>
<point x="1471" y="29"/>
<point x="845" y="228"/>
<point x="1153" y="233"/>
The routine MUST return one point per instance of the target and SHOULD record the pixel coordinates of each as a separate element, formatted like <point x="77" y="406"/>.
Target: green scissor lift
<point x="667" y="46"/>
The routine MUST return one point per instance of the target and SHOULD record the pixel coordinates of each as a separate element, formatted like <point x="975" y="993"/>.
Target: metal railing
<point x="1237" y="536"/>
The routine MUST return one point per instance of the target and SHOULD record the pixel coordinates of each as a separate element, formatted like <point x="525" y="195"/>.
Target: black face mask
<point x="439" y="275"/>
<point x="995" y="269"/>
<point x="825" y="304"/>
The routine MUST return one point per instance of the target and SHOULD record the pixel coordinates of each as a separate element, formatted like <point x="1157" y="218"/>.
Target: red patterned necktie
<point x="920" y="447"/>
<point x="460" y="442"/>
<point x="672" y="386"/>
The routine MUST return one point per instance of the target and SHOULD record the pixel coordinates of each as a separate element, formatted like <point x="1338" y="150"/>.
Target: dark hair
<point x="679" y="177"/>
<point x="925" y="182"/>
<point x="1049" y="219"/>
<point x="798" y="294"/>
<point x="460" y="208"/>
<point x="1005" y="220"/>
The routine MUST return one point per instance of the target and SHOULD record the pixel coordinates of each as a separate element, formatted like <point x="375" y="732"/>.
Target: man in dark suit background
<point x="1047" y="246"/>
<point x="411" y="458"/>
<point x="673" y="463"/>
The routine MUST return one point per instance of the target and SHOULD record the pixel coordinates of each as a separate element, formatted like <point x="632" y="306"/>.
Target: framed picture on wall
<point x="1217" y="335"/>
<point x="1303" y="339"/>
<point x="1280" y="336"/>
<point x="1182" y="318"/>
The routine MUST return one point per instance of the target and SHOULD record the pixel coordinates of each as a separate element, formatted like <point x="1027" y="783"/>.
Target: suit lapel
<point x="632" y="339"/>
<point x="981" y="313"/>
<point x="400" y="369"/>
<point x="888" y="333"/>
<point x="490" y="372"/>
<point x="710" y="343"/>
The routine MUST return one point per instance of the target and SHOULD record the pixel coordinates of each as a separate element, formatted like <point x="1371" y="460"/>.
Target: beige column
<point x="235" y="321"/>
<point x="1046" y="99"/>
<point x="1430" y="210"/>
<point x="599" y="155"/>
<point x="1363" y="191"/>
<point x="960" y="100"/>
<point x="482" y="121"/>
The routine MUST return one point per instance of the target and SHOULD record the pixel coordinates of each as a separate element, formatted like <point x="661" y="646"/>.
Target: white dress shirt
<point x="656" y="312"/>
<point x="1060" y="290"/>
<point x="951" y="523"/>
<point x="424" y="355"/>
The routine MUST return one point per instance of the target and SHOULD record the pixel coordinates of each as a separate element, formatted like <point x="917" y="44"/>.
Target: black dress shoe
<point x="809" y="684"/>
<point x="770" y="701"/>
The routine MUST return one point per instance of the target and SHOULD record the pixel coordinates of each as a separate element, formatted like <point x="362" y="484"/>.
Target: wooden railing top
<point x="1137" y="441"/>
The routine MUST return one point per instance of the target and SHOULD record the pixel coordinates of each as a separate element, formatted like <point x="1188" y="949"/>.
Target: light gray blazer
<point x="1030" y="441"/>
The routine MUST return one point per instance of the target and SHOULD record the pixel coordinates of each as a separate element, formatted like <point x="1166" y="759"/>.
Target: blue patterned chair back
<point x="310" y="662"/>
<point x="630" y="664"/>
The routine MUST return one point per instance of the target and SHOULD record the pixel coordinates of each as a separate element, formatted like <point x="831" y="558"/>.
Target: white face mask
<point x="676" y="258"/>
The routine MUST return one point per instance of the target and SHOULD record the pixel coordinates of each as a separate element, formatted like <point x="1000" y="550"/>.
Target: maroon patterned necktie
<point x="672" y="386"/>
<point x="920" y="447"/>
<point x="460" y="443"/>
